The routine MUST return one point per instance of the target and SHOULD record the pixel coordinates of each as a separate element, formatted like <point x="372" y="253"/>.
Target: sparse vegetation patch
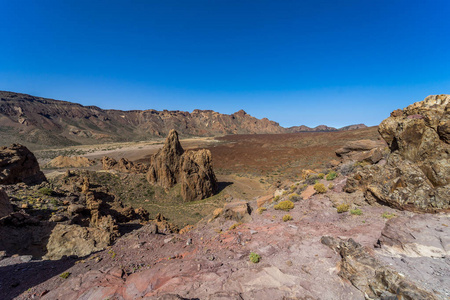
<point x="286" y="205"/>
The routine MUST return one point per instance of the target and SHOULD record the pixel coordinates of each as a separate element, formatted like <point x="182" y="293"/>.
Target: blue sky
<point x="294" y="62"/>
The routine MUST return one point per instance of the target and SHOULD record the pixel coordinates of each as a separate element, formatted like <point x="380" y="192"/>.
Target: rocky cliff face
<point x="417" y="172"/>
<point x="18" y="164"/>
<point x="192" y="169"/>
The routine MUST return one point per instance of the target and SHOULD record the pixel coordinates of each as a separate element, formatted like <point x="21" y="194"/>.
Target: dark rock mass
<point x="416" y="175"/>
<point x="5" y="205"/>
<point x="18" y="164"/>
<point x="192" y="169"/>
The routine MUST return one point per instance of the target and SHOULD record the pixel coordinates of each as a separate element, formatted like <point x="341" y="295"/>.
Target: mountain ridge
<point x="43" y="121"/>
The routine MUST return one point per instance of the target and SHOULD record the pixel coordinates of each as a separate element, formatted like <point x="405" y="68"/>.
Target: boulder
<point x="18" y="164"/>
<point x="237" y="211"/>
<point x="76" y="240"/>
<point x="362" y="150"/>
<point x="416" y="175"/>
<point x="192" y="169"/>
<point x="5" y="205"/>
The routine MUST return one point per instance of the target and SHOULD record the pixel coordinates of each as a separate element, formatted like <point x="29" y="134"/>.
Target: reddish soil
<point x="269" y="154"/>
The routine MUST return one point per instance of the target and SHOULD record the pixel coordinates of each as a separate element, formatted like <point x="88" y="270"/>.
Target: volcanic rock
<point x="123" y="165"/>
<point x="18" y="164"/>
<point x="192" y="169"/>
<point x="370" y="276"/>
<point x="362" y="150"/>
<point x="416" y="175"/>
<point x="5" y="205"/>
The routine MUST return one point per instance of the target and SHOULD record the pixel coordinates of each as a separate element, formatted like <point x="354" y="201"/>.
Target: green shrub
<point x="342" y="208"/>
<point x="254" y="257"/>
<point x="65" y="275"/>
<point x="285" y="205"/>
<point x="357" y="212"/>
<point x="287" y="218"/>
<point x="320" y="175"/>
<point x="235" y="225"/>
<point x="330" y="186"/>
<point x="332" y="175"/>
<point x="276" y="198"/>
<point x="46" y="191"/>
<point x="294" y="197"/>
<point x="320" y="188"/>
<point x="261" y="210"/>
<point x="387" y="215"/>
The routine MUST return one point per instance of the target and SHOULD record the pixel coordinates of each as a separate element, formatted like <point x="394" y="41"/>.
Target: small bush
<point x="320" y="188"/>
<point x="261" y="210"/>
<point x="320" y="175"/>
<point x="254" y="257"/>
<point x="332" y="175"/>
<point x="46" y="191"/>
<point x="287" y="218"/>
<point x="330" y="186"/>
<point x="294" y="197"/>
<point x="286" y="205"/>
<point x="65" y="275"/>
<point x="357" y="212"/>
<point x="276" y="198"/>
<point x="342" y="208"/>
<point x="387" y="215"/>
<point x="235" y="225"/>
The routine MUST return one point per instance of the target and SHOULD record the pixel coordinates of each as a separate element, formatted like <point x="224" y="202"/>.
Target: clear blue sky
<point x="295" y="62"/>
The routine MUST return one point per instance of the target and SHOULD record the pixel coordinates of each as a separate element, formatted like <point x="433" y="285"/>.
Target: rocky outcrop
<point x="417" y="173"/>
<point x="192" y="169"/>
<point x="69" y="162"/>
<point x="18" y="164"/>
<point x="362" y="150"/>
<point x="5" y="205"/>
<point x="123" y="165"/>
<point x="370" y="276"/>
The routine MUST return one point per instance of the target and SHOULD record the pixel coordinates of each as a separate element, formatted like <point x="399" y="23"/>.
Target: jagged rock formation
<point x="69" y="162"/>
<point x="371" y="277"/>
<point x="123" y="165"/>
<point x="42" y="122"/>
<point x="18" y="164"/>
<point x="417" y="173"/>
<point x="192" y="169"/>
<point x="5" y="205"/>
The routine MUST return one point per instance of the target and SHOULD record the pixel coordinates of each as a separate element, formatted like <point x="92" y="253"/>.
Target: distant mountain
<point x="304" y="128"/>
<point x="353" y="127"/>
<point x="37" y="121"/>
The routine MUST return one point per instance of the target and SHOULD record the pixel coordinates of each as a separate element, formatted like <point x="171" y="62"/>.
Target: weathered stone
<point x="416" y="175"/>
<point x="123" y="165"/>
<point x="76" y="240"/>
<point x="237" y="210"/>
<point x="69" y="162"/>
<point x="371" y="277"/>
<point x="192" y="169"/>
<point x="362" y="150"/>
<point x="18" y="164"/>
<point x="5" y="205"/>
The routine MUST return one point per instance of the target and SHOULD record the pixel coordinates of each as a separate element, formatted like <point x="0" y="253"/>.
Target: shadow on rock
<point x="17" y="276"/>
